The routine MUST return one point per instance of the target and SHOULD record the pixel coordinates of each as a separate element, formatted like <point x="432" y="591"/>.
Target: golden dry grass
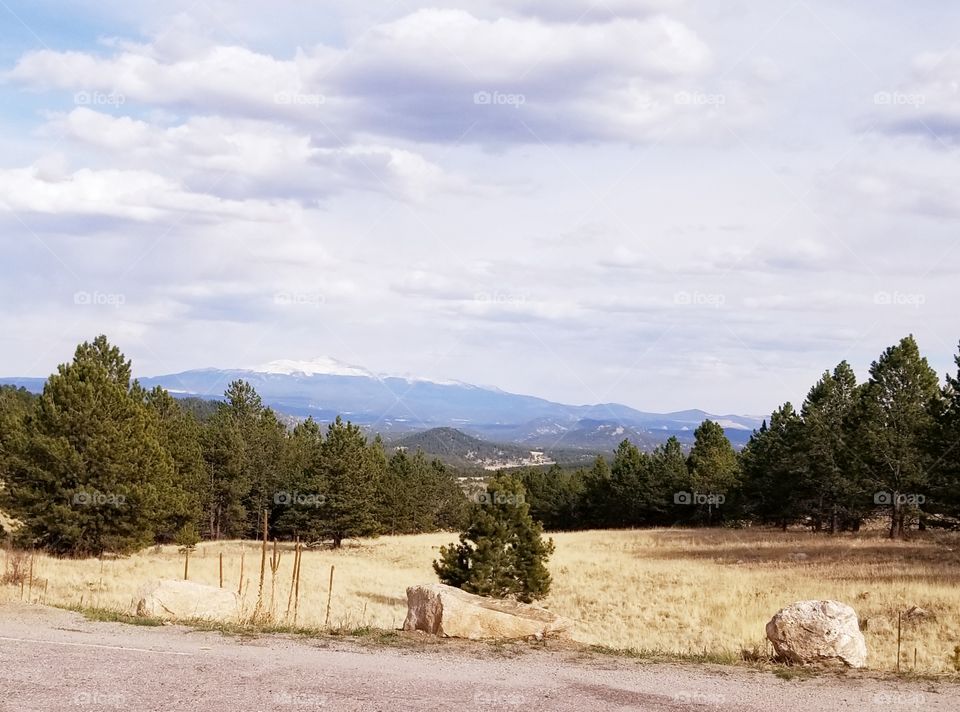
<point x="669" y="591"/>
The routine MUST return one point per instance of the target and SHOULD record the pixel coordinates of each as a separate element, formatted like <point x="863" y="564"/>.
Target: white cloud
<point x="128" y="194"/>
<point x="249" y="158"/>
<point x="420" y="76"/>
<point x="928" y="103"/>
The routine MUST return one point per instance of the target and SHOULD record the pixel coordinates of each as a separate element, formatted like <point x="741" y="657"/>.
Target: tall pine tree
<point x="895" y="425"/>
<point x="90" y="473"/>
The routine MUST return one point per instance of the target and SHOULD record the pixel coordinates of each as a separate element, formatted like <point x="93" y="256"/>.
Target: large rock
<point x="818" y="631"/>
<point x="183" y="600"/>
<point x="444" y="610"/>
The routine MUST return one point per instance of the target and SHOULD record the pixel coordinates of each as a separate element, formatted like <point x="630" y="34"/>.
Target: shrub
<point x="501" y="552"/>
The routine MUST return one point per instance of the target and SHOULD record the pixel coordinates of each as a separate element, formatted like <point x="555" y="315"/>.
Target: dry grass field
<point x="676" y="592"/>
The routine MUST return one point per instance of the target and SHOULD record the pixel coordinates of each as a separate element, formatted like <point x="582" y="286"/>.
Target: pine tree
<point x="896" y="424"/>
<point x="224" y="453"/>
<point x="596" y="494"/>
<point x="501" y="551"/>
<point x="397" y="495"/>
<point x="265" y="441"/>
<point x="449" y="502"/>
<point x="555" y="496"/>
<point x="944" y="453"/>
<point x="90" y="473"/>
<point x="349" y="504"/>
<point x="669" y="477"/>
<point x="833" y="478"/>
<point x="16" y="406"/>
<point x="773" y="466"/>
<point x="714" y="468"/>
<point x="630" y="496"/>
<point x="300" y="495"/>
<point x="188" y="490"/>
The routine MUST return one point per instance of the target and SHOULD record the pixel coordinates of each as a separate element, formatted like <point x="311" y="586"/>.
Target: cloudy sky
<point x="665" y="203"/>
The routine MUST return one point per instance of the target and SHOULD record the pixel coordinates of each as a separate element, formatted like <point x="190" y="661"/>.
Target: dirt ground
<point x="52" y="659"/>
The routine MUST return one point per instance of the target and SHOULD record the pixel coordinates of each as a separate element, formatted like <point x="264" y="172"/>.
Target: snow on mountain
<point x="323" y="366"/>
<point x="732" y="424"/>
<point x="327" y="366"/>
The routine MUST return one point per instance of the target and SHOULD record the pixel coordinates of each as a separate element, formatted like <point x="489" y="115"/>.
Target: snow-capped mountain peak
<point x="322" y="366"/>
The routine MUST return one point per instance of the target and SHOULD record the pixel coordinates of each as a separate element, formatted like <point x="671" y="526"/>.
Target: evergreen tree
<point x="501" y="551"/>
<point x="631" y="491"/>
<point x="417" y="495"/>
<point x="450" y="505"/>
<point x="555" y="496"/>
<point x="90" y="473"/>
<point x="670" y="476"/>
<point x="833" y="478"/>
<point x="397" y="496"/>
<point x="16" y="405"/>
<point x="596" y="494"/>
<point x="896" y="423"/>
<point x="945" y="454"/>
<point x="349" y="504"/>
<point x="714" y="468"/>
<point x="773" y="466"/>
<point x="224" y="453"/>
<point x="188" y="490"/>
<point x="300" y="495"/>
<point x="264" y="443"/>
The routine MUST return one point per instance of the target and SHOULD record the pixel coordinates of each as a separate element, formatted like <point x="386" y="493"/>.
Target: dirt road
<point x="53" y="660"/>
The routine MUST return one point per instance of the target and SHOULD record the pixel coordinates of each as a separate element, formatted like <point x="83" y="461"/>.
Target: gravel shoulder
<point x="57" y="660"/>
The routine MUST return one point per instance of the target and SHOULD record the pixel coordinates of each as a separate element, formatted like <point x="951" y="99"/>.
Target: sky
<point x="664" y="203"/>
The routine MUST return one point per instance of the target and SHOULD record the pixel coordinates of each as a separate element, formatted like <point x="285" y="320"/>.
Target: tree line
<point x="887" y="447"/>
<point x="97" y="463"/>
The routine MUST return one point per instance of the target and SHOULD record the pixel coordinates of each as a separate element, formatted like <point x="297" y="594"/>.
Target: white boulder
<point x="817" y="632"/>
<point x="447" y="611"/>
<point x="185" y="600"/>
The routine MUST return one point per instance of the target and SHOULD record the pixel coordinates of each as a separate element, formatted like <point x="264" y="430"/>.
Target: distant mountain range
<point x="397" y="406"/>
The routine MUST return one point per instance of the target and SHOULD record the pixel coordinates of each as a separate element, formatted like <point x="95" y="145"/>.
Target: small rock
<point x="876" y="624"/>
<point x="915" y="613"/>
